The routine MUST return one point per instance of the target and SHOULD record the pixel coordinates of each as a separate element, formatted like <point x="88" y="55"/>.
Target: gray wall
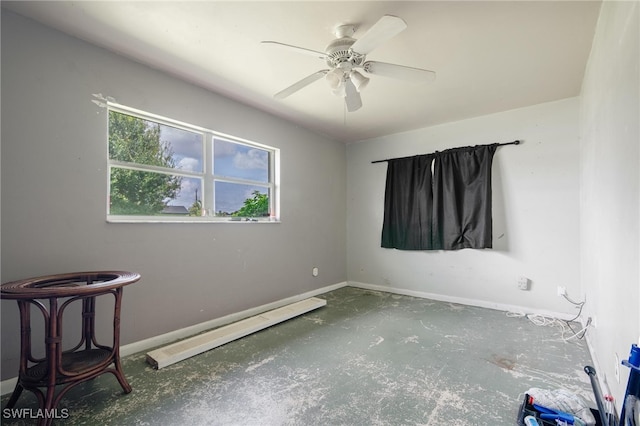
<point x="535" y="206"/>
<point x="54" y="184"/>
<point x="610" y="189"/>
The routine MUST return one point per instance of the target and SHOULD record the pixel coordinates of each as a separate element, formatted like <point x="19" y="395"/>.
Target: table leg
<point x="118" y="372"/>
<point x="53" y="342"/>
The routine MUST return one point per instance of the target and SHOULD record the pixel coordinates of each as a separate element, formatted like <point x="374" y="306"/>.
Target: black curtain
<point x="448" y="210"/>
<point x="462" y="198"/>
<point x="408" y="204"/>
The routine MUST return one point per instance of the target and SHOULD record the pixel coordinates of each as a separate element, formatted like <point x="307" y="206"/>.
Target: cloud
<point x="252" y="159"/>
<point x="183" y="142"/>
<point x="223" y="148"/>
<point x="187" y="194"/>
<point x="190" y="164"/>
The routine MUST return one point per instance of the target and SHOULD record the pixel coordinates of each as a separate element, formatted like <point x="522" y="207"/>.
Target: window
<point x="164" y="171"/>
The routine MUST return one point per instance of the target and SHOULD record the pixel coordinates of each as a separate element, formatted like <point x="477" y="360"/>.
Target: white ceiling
<point x="489" y="56"/>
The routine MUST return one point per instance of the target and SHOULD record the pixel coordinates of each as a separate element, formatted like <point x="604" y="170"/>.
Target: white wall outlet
<point x="523" y="283"/>
<point x="562" y="291"/>
<point x="314" y="272"/>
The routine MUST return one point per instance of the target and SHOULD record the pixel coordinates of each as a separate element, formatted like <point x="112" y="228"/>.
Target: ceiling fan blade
<point x="352" y="98"/>
<point x="398" y="71"/>
<point x="386" y="28"/>
<point x="320" y="55"/>
<point x="300" y="84"/>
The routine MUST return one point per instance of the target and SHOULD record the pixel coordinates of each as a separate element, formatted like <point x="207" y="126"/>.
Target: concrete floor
<point x="367" y="358"/>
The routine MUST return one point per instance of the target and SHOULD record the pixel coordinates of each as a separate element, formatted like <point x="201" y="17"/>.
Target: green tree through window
<point x="254" y="207"/>
<point x="135" y="192"/>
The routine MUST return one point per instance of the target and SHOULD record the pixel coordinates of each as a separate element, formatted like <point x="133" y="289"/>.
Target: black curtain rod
<point x="516" y="142"/>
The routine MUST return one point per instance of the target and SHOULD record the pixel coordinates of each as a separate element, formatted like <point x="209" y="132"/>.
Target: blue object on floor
<point x="531" y="421"/>
<point x="631" y="403"/>
<point x="550" y="414"/>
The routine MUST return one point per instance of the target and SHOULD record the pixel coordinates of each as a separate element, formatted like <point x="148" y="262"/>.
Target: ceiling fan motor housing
<point x="340" y="55"/>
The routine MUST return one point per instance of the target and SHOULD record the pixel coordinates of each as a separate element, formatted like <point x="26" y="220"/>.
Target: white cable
<point x="576" y="334"/>
<point x="546" y="321"/>
<point x="572" y="301"/>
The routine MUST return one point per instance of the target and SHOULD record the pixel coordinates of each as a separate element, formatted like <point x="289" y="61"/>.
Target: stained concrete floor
<point x="367" y="358"/>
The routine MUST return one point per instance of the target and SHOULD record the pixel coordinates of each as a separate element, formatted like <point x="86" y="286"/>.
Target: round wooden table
<point x="86" y="360"/>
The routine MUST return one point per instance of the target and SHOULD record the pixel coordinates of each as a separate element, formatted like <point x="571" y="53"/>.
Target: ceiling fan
<point x="345" y="55"/>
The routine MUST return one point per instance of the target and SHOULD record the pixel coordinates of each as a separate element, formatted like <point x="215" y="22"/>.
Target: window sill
<point x="153" y="219"/>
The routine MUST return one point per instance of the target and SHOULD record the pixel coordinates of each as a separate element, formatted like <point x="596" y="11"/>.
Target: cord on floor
<point x="565" y="325"/>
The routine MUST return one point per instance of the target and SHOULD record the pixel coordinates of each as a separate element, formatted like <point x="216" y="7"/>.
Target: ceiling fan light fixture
<point x="335" y="78"/>
<point x="340" y="91"/>
<point x="359" y="80"/>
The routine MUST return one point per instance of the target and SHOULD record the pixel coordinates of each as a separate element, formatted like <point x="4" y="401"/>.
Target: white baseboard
<point x="461" y="300"/>
<point x="7" y="386"/>
<point x="204" y="342"/>
<point x="172" y="336"/>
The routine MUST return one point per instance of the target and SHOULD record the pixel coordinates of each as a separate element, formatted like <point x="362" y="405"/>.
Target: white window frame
<point x="207" y="176"/>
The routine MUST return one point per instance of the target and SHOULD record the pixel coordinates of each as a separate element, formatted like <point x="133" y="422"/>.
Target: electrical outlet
<point x="562" y="291"/>
<point x="314" y="272"/>
<point x="616" y="370"/>
<point x="523" y="283"/>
